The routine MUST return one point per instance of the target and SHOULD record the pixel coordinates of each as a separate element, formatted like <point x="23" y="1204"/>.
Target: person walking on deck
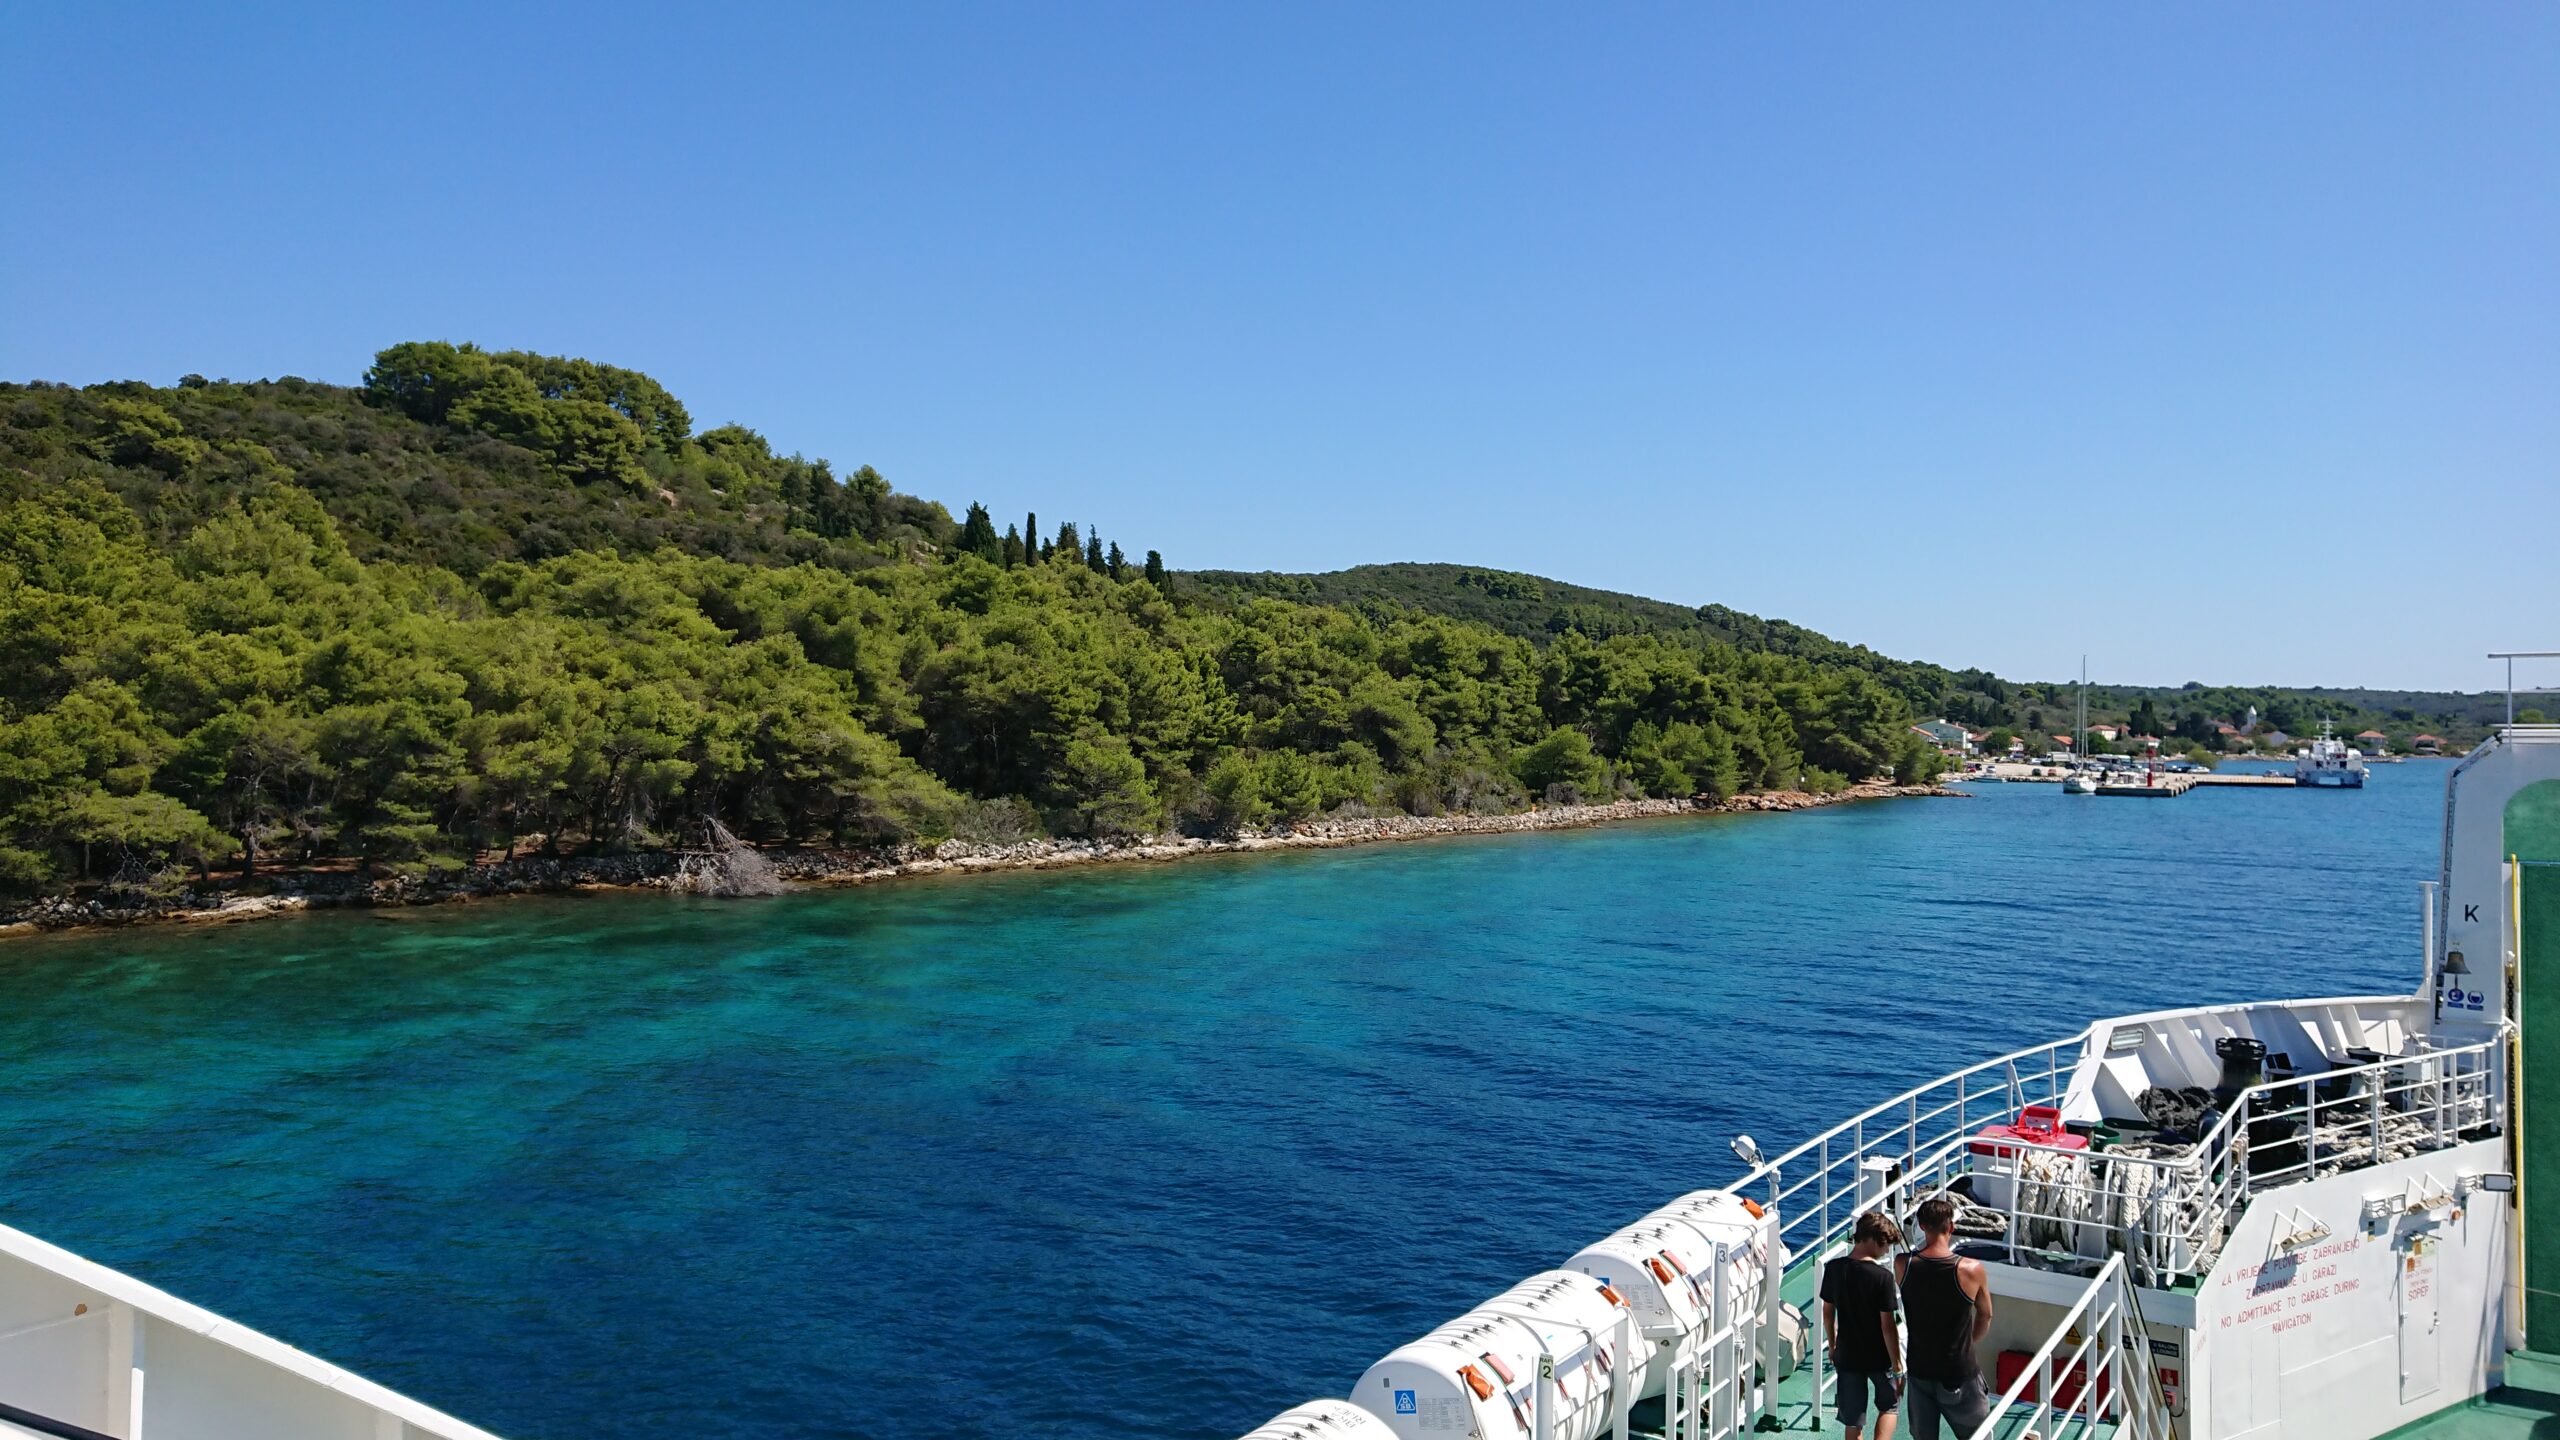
<point x="1947" y="1300"/>
<point x="1859" y="1306"/>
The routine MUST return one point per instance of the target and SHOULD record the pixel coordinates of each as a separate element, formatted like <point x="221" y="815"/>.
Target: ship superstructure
<point x="2329" y="762"/>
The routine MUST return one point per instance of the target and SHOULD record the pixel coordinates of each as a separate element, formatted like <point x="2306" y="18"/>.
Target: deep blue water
<point x="1132" y="1152"/>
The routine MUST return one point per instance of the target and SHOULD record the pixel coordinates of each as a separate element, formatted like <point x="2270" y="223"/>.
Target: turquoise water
<point x="1132" y="1152"/>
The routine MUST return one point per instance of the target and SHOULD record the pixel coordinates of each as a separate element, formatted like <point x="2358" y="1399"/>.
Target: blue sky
<point x="2220" y="343"/>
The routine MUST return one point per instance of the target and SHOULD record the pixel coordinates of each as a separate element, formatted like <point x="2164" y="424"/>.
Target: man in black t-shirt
<point x="1859" y="1305"/>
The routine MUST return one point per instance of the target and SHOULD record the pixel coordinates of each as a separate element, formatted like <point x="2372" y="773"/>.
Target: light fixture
<point x="1744" y="1147"/>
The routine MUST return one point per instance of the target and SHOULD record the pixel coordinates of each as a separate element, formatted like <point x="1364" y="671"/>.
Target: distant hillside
<point x="1541" y="610"/>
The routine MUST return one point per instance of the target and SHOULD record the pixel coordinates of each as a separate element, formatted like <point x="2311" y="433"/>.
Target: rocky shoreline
<point x="286" y="892"/>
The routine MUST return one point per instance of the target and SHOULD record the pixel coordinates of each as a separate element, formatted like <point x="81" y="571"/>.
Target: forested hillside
<point x="1539" y="609"/>
<point x="491" y="600"/>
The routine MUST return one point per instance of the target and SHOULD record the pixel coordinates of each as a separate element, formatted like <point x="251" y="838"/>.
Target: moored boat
<point x="2329" y="763"/>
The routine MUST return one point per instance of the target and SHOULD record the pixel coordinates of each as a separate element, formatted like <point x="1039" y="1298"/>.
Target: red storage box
<point x="2037" y="1125"/>
<point x="2066" y="1387"/>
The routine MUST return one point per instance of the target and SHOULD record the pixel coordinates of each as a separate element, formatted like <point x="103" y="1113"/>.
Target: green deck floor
<point x="2527" y="1407"/>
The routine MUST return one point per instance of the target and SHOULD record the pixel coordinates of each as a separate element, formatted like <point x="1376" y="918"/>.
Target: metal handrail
<point x="2438" y="1088"/>
<point x="2098" y="1370"/>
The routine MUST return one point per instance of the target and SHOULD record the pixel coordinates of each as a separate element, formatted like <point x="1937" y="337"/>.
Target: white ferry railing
<point x="2165" y="1214"/>
<point x="2168" y="1213"/>
<point x="1889" y="1156"/>
<point x="2105" y="1377"/>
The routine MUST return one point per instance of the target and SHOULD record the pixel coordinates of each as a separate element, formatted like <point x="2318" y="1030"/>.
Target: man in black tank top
<point x="1946" y="1300"/>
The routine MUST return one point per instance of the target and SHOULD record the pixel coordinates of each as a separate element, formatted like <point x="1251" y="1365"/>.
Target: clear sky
<point x="2221" y="342"/>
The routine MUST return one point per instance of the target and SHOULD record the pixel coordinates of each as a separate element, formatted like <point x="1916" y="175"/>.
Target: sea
<point x="1135" y="1151"/>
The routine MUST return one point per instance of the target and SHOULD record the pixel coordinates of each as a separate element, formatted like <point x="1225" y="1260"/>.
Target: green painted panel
<point x="2533" y="822"/>
<point x="2538" y="1007"/>
<point x="2533" y="836"/>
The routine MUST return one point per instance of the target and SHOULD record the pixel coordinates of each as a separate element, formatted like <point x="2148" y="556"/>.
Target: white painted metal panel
<point x="82" y="1344"/>
<point x="2421" y="1336"/>
<point x="2275" y="1319"/>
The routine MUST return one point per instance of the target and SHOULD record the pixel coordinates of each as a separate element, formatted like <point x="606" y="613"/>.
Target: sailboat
<point x="2081" y="781"/>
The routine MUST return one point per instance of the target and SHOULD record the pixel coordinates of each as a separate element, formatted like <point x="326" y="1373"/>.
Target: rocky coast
<point x="286" y="891"/>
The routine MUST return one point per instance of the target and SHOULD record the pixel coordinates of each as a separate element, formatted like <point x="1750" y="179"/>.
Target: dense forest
<point x="2185" y="716"/>
<point x="496" y="600"/>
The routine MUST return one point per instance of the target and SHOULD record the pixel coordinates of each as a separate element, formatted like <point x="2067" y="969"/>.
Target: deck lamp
<point x="1748" y="1151"/>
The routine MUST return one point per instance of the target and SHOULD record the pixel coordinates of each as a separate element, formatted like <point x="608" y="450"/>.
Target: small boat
<point x="2079" y="782"/>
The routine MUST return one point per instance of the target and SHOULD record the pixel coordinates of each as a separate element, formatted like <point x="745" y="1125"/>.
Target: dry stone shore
<point x="286" y="892"/>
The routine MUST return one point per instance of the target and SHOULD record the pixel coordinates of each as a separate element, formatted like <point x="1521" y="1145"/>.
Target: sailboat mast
<point x="2080" y="742"/>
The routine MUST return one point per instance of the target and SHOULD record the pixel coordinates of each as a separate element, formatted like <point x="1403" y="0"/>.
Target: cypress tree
<point x="1118" y="563"/>
<point x="1012" y="547"/>
<point x="1069" y="543"/>
<point x="978" y="536"/>
<point x="1155" y="569"/>
<point x="1032" y="550"/>
<point x="1093" y="560"/>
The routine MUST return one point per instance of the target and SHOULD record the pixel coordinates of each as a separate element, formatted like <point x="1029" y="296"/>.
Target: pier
<point x="2154" y="787"/>
<point x="2167" y="787"/>
<point x="2163" y="785"/>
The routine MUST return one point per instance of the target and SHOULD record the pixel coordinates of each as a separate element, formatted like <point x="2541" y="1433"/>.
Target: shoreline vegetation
<point x="801" y="867"/>
<point x="489" y="599"/>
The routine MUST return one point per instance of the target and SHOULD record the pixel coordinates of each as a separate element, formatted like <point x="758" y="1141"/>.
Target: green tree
<point x="1155" y="569"/>
<point x="1917" y="762"/>
<point x="1562" y="762"/>
<point x="978" y="536"/>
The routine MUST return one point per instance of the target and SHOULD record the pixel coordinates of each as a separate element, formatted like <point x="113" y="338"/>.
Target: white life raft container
<point x="1478" y="1375"/>
<point x="1667" y="1264"/>
<point x="1322" y="1420"/>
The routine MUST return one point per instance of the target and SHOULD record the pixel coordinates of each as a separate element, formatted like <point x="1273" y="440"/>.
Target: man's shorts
<point x="1852" y="1396"/>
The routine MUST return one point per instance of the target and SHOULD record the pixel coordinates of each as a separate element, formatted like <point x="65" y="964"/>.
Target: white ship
<point x="2329" y="762"/>
<point x="2332" y="1243"/>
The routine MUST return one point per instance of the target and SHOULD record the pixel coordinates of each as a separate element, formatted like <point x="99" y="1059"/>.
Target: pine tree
<point x="1117" y="562"/>
<point x="1070" y="545"/>
<point x="1093" y="560"/>
<point x="1012" y="547"/>
<point x="1155" y="569"/>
